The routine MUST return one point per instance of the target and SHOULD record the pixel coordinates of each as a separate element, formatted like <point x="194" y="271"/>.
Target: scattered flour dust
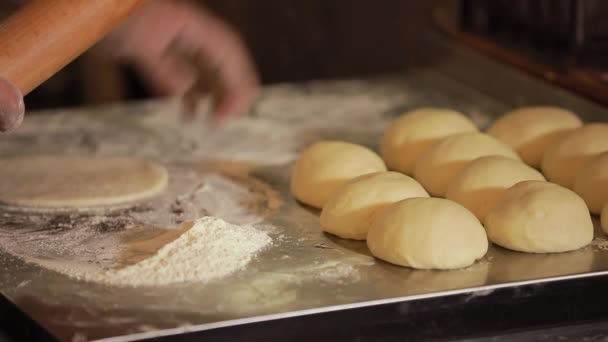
<point x="601" y="243"/>
<point x="211" y="249"/>
<point x="340" y="274"/>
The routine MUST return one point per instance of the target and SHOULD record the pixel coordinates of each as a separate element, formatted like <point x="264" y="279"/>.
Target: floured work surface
<point x="300" y="269"/>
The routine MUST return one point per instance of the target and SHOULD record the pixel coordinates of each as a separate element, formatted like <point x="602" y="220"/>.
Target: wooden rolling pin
<point x="45" y="35"/>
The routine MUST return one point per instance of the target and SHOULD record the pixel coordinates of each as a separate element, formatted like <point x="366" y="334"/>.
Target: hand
<point x="11" y="106"/>
<point x="182" y="49"/>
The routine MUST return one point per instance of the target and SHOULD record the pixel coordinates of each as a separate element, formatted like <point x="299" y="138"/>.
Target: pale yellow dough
<point x="349" y="211"/>
<point x="540" y="217"/>
<point x="410" y="135"/>
<point x="427" y="233"/>
<point x="53" y="181"/>
<point x="482" y="182"/>
<point x="591" y="183"/>
<point x="530" y="130"/>
<point x="443" y="161"/>
<point x="325" y="166"/>
<point x="565" y="157"/>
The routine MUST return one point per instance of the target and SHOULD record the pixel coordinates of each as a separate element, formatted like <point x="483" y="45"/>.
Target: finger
<point x="208" y="80"/>
<point x="12" y="108"/>
<point x="240" y="85"/>
<point x="165" y="75"/>
<point x="190" y="100"/>
<point x="233" y="100"/>
<point x="236" y="81"/>
<point x="229" y="94"/>
<point x="206" y="76"/>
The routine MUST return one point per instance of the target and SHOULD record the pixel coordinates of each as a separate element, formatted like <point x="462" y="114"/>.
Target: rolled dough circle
<point x="325" y="166"/>
<point x="591" y="183"/>
<point x="540" y="217"/>
<point x="443" y="161"/>
<point x="53" y="181"/>
<point x="566" y="156"/>
<point x="427" y="233"/>
<point x="349" y="211"/>
<point x="410" y="135"/>
<point x="483" y="181"/>
<point x="604" y="219"/>
<point x="530" y="130"/>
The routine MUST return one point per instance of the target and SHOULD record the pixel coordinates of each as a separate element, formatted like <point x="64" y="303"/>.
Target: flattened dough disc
<point x="48" y="181"/>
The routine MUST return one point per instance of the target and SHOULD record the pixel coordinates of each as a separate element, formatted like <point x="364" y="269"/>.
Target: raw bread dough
<point x="540" y="217"/>
<point x="591" y="183"/>
<point x="530" y="130"/>
<point x="483" y="181"/>
<point x="349" y="211"/>
<point x="414" y="132"/>
<point x="442" y="162"/>
<point x="54" y="181"/>
<point x="604" y="219"/>
<point x="427" y="233"/>
<point x="566" y="156"/>
<point x="326" y="165"/>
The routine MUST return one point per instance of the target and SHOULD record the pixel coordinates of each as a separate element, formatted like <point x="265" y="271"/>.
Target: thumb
<point x="11" y="106"/>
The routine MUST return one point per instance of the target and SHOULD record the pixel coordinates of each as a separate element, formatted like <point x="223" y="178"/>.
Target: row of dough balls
<point x="549" y="138"/>
<point x="361" y="200"/>
<point x="444" y="151"/>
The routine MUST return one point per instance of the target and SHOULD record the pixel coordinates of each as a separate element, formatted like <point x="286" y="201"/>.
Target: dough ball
<point x="427" y="233"/>
<point x="591" y="183"/>
<point x="442" y="162"/>
<point x="566" y="156"/>
<point x="604" y="219"/>
<point x="326" y="165"/>
<point x="414" y="132"/>
<point x="483" y="181"/>
<point x="530" y="130"/>
<point x="349" y="211"/>
<point x="540" y="217"/>
<point x="48" y="181"/>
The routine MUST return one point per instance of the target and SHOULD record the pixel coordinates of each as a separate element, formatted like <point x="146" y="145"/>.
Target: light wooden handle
<point x="45" y="35"/>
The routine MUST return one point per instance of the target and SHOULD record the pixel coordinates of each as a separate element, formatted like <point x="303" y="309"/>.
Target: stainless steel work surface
<point x="304" y="270"/>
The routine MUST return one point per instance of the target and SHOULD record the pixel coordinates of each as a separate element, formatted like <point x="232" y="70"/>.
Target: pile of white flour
<point x="211" y="249"/>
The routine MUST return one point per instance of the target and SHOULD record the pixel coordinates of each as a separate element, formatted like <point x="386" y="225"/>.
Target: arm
<point x="179" y="47"/>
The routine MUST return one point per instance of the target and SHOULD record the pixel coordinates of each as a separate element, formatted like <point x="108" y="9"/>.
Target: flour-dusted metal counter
<point x="304" y="272"/>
